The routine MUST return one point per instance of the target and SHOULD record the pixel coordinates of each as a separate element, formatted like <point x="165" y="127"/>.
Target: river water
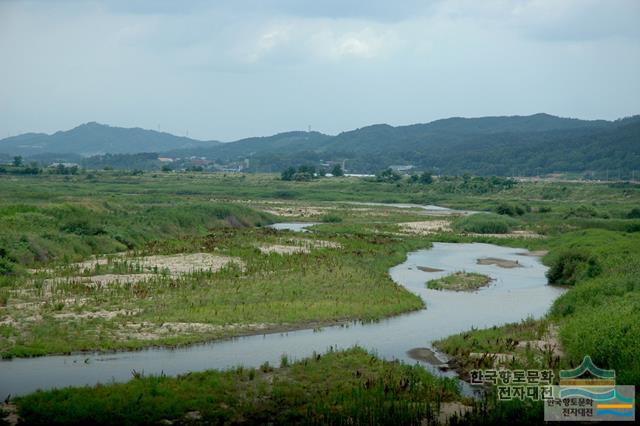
<point x="427" y="209"/>
<point x="293" y="226"/>
<point x="514" y="294"/>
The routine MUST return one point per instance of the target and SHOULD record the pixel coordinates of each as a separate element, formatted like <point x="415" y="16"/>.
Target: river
<point x="514" y="294"/>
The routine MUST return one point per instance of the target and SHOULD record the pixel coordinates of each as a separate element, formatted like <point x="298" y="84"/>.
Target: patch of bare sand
<point x="178" y="264"/>
<point x="315" y="243"/>
<point x="297" y="245"/>
<point x="426" y="227"/>
<point x="78" y="301"/>
<point x="150" y="331"/>
<point x="535" y="253"/>
<point x="297" y="211"/>
<point x="550" y="342"/>
<point x="100" y="280"/>
<point x="175" y="265"/>
<point x="502" y="263"/>
<point x="97" y="314"/>
<point x="282" y="249"/>
<point x="90" y="264"/>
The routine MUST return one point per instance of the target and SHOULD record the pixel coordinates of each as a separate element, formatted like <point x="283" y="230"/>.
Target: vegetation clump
<point x="460" y="281"/>
<point x="634" y="213"/>
<point x="512" y="210"/>
<point x="303" y="173"/>
<point x="339" y="387"/>
<point x="388" y="175"/>
<point x="485" y="223"/>
<point x="572" y="266"/>
<point x="331" y="218"/>
<point x="337" y="170"/>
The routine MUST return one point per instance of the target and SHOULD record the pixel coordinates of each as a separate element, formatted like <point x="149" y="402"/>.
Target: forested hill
<point x="497" y="146"/>
<point x="539" y="143"/>
<point x="94" y="138"/>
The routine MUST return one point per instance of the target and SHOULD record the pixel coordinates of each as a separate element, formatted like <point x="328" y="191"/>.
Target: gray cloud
<point x="229" y="69"/>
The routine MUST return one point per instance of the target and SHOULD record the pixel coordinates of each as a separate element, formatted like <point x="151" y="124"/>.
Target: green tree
<point x="426" y="178"/>
<point x="307" y="169"/>
<point x="17" y="161"/>
<point x="302" y="176"/>
<point x="337" y="170"/>
<point x="288" y="174"/>
<point x="388" y="175"/>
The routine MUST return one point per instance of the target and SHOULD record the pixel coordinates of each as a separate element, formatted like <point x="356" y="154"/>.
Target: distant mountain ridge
<point x="95" y="138"/>
<point x="486" y="145"/>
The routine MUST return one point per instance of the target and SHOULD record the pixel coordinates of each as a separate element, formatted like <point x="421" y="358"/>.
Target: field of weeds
<point x="226" y="283"/>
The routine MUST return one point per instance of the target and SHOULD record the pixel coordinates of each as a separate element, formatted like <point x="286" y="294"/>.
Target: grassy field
<point x="269" y="280"/>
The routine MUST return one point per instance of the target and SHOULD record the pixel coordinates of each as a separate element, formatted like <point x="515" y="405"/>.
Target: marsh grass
<point x="338" y="387"/>
<point x="486" y="223"/>
<point x="268" y="293"/>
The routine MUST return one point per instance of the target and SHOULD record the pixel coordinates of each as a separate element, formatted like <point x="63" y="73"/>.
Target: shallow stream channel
<point x="514" y="293"/>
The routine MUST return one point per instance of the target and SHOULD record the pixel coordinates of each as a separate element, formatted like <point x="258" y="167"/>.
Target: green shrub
<point x="634" y="213"/>
<point x="331" y="218"/>
<point x="633" y="227"/>
<point x="388" y="175"/>
<point x="572" y="266"/>
<point x="6" y="267"/>
<point x="486" y="223"/>
<point x="505" y="209"/>
<point x="582" y="212"/>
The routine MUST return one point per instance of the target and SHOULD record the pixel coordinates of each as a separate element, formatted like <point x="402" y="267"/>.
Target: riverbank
<point x="335" y="387"/>
<point x="597" y="313"/>
<point x="524" y="289"/>
<point x="256" y="293"/>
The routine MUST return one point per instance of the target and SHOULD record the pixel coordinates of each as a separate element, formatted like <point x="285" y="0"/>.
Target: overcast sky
<point x="230" y="69"/>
